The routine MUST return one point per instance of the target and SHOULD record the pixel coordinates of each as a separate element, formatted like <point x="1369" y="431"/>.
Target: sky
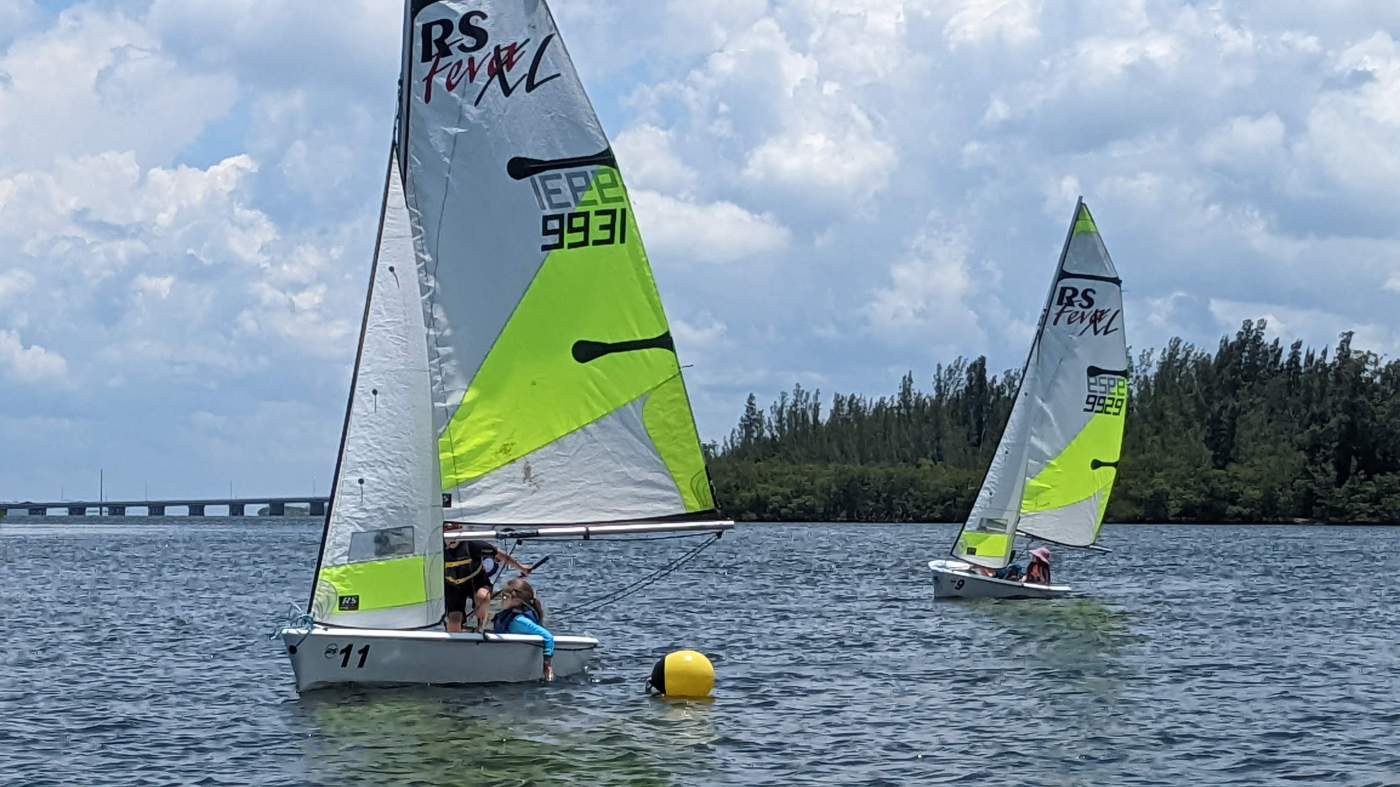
<point x="831" y="193"/>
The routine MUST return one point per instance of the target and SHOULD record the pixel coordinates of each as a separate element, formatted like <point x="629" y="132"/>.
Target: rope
<point x="501" y="569"/>
<point x="295" y="619"/>
<point x="640" y="584"/>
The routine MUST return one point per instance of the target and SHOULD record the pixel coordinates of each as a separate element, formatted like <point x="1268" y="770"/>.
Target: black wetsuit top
<point x="464" y="563"/>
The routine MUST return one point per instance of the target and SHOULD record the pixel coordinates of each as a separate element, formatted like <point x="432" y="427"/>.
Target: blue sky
<point x="831" y="192"/>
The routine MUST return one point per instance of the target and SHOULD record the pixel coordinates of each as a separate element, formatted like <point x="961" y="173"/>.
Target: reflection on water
<point x="136" y="653"/>
<point x="531" y="734"/>
<point x="1066" y="633"/>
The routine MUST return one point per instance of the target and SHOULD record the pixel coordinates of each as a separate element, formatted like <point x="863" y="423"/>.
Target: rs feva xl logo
<point x="1075" y="307"/>
<point x="461" y="52"/>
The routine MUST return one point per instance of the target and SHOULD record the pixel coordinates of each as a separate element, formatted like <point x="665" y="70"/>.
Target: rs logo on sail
<point x="1075" y="307"/>
<point x="461" y="53"/>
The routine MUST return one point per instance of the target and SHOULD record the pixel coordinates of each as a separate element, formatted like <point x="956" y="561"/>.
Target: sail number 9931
<point x="579" y="228"/>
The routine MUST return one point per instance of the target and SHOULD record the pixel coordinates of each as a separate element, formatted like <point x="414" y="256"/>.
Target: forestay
<point x="556" y="390"/>
<point x="1057" y="460"/>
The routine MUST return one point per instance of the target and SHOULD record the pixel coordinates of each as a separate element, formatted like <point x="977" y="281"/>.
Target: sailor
<point x="468" y="570"/>
<point x="522" y="613"/>
<point x="1010" y="571"/>
<point x="1038" y="572"/>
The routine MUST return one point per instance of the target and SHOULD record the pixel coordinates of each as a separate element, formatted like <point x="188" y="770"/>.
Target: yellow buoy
<point x="684" y="674"/>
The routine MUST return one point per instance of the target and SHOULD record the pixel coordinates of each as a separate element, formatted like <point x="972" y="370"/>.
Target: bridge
<point x="276" y="506"/>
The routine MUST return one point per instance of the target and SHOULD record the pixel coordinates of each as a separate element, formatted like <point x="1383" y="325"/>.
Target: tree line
<point x="1253" y="432"/>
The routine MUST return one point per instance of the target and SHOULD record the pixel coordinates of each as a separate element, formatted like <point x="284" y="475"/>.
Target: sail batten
<point x="1054" y="468"/>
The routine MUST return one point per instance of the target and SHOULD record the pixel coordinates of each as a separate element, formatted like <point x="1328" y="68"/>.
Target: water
<point x="135" y="653"/>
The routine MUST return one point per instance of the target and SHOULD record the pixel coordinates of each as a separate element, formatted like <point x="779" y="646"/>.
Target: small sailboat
<point x="515" y="373"/>
<point x="1053" y="470"/>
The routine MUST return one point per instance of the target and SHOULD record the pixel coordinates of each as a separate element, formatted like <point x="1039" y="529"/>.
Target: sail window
<point x="379" y="544"/>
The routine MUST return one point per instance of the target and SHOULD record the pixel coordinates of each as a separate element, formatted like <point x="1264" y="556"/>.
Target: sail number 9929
<point x="1108" y="405"/>
<point x="579" y="228"/>
<point x="1107" y="395"/>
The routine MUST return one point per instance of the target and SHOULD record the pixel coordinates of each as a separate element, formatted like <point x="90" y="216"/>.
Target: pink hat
<point x="1041" y="552"/>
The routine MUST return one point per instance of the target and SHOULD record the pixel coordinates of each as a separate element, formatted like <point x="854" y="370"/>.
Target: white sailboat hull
<point x="956" y="579"/>
<point x="327" y="656"/>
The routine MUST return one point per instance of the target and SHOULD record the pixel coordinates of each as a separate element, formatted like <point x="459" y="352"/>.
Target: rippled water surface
<point x="136" y="653"/>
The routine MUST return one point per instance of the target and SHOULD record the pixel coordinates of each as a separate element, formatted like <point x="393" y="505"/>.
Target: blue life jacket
<point x="1010" y="572"/>
<point x="501" y="622"/>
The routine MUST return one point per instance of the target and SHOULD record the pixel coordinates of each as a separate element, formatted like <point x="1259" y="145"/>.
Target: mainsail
<point x="515" y="364"/>
<point x="557" y="393"/>
<point x="1058" y="457"/>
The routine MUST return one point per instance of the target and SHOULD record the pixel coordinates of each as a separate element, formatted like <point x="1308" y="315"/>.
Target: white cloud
<point x="701" y="26"/>
<point x="157" y="287"/>
<point x="15" y="17"/>
<point x="30" y="364"/>
<point x="845" y="169"/>
<point x="1353" y="131"/>
<point x="1316" y="327"/>
<point x="194" y="213"/>
<point x="1150" y="320"/>
<point x="1246" y="142"/>
<point x="294" y="303"/>
<point x="926" y="300"/>
<point x="858" y="42"/>
<point x="14" y="282"/>
<point x="714" y="232"/>
<point x="793" y="115"/>
<point x="96" y="82"/>
<point x="698" y="337"/>
<point x="276" y="44"/>
<point x="1104" y="60"/>
<point x="975" y="21"/>
<point x="213" y="280"/>
<point x="646" y="153"/>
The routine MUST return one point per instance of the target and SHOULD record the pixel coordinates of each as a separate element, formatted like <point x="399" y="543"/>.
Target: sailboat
<point x="515" y="373"/>
<point x="1052" y="472"/>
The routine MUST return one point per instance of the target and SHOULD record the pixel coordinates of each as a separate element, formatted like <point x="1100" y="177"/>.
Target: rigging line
<point x="632" y="589"/>
<point x="640" y="584"/>
<point x="501" y="569"/>
<point x="644" y="582"/>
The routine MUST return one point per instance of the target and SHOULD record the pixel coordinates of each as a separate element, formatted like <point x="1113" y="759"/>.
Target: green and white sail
<point x="381" y="555"/>
<point x="1058" y="457"/>
<point x="556" y="389"/>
